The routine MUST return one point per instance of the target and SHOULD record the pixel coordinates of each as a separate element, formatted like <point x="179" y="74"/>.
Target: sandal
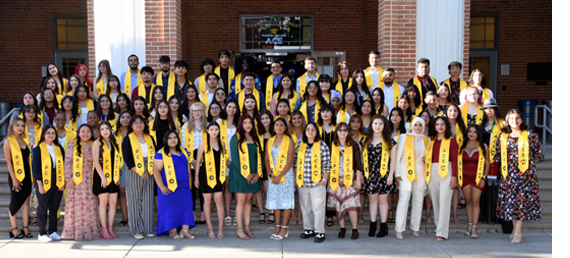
<point x="330" y="221"/>
<point x="18" y="236"/>
<point x="35" y="221"/>
<point x="300" y="221"/>
<point x="428" y="217"/>
<point x="106" y="236"/>
<point x="174" y="235"/>
<point x="27" y="235"/>
<point x="474" y="233"/>
<point x="228" y="221"/>
<point x="235" y="221"/>
<point x="254" y="207"/>
<point x="262" y="219"/>
<point x="211" y="233"/>
<point x="248" y="232"/>
<point x="271" y="218"/>
<point x="242" y="237"/>
<point x="469" y="229"/>
<point x="123" y="223"/>
<point x="273" y="235"/>
<point x="292" y="221"/>
<point x="186" y="234"/>
<point x="360" y="220"/>
<point x="279" y="237"/>
<point x="220" y="235"/>
<point x="112" y="234"/>
<point x="516" y="242"/>
<point x="390" y="218"/>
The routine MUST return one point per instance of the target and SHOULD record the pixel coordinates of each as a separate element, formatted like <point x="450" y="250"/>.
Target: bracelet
<point x="324" y="180"/>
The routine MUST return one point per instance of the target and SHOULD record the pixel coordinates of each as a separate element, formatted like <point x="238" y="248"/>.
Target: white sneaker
<point x="44" y="238"/>
<point x="55" y="236"/>
<point x="150" y="235"/>
<point x="138" y="236"/>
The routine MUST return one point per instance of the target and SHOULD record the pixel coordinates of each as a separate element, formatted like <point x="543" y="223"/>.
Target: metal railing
<point x="544" y="125"/>
<point x="6" y="118"/>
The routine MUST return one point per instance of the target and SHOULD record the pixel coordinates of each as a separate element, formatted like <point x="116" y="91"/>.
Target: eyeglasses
<point x="215" y="108"/>
<point x="138" y="122"/>
<point x="220" y="94"/>
<point x="67" y="102"/>
<point x="311" y="129"/>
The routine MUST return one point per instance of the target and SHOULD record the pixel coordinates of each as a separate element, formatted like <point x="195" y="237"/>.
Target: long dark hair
<point x="237" y="115"/>
<point x="241" y="132"/>
<point x="402" y="126"/>
<point x="59" y="74"/>
<point x="479" y="139"/>
<point x="280" y="87"/>
<point x="408" y="112"/>
<point x="417" y="100"/>
<point x="343" y="104"/>
<point x="184" y="106"/>
<point x="317" y="137"/>
<point x="78" y="138"/>
<point x="179" y="115"/>
<point x="156" y="122"/>
<point x="153" y="100"/>
<point x="145" y="109"/>
<point x="443" y="84"/>
<point x="336" y="141"/>
<point x="382" y="99"/>
<point x="105" y="63"/>
<point x="35" y="110"/>
<point x="507" y="127"/>
<point x="214" y="123"/>
<point x="166" y="148"/>
<point x="127" y="99"/>
<point x="319" y="92"/>
<point x="119" y="125"/>
<point x="102" y="140"/>
<point x="261" y="127"/>
<point x="108" y="89"/>
<point x="286" y="102"/>
<point x="210" y="118"/>
<point x="255" y="109"/>
<point x="110" y="113"/>
<point x="459" y="119"/>
<point x="44" y="131"/>
<point x="133" y="119"/>
<point x="45" y="80"/>
<point x="282" y="120"/>
<point x="433" y="131"/>
<point x="372" y="109"/>
<point x="354" y="86"/>
<point x="43" y="102"/>
<point x="320" y="120"/>
<point x="74" y="108"/>
<point x="386" y="132"/>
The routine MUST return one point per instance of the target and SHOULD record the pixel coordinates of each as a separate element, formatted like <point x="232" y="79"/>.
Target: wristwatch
<point x="485" y="178"/>
<point x="324" y="180"/>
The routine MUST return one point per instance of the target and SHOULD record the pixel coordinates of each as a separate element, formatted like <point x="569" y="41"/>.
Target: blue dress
<point x="280" y="196"/>
<point x="175" y="209"/>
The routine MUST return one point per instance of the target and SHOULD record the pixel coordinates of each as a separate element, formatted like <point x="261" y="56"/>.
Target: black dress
<point x="17" y="199"/>
<point x="263" y="170"/>
<point x="204" y="187"/>
<point x="112" y="187"/>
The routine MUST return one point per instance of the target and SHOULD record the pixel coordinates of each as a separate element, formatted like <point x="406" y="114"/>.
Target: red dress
<point x="470" y="170"/>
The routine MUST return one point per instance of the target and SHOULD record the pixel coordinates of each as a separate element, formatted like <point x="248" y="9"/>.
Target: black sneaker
<point x="320" y="237"/>
<point x="307" y="234"/>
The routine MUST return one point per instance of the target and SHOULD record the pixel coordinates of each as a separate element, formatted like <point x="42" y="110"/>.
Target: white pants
<point x="313" y="202"/>
<point x="417" y="194"/>
<point x="441" y="194"/>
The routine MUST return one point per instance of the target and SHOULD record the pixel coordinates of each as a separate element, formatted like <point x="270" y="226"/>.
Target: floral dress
<point x="518" y="193"/>
<point x="81" y="209"/>
<point x="375" y="184"/>
<point x="282" y="195"/>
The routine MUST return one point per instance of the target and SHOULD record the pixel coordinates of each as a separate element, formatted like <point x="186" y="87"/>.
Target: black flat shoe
<point x="319" y="238"/>
<point x="342" y="233"/>
<point x="307" y="234"/>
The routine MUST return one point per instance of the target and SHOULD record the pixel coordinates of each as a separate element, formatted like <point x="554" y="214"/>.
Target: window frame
<point x="245" y="50"/>
<point x="497" y="27"/>
<point x="54" y="32"/>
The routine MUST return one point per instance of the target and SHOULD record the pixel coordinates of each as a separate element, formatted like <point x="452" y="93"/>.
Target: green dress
<point x="237" y="183"/>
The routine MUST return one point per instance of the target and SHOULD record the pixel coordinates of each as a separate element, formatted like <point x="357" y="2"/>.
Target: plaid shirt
<point x="325" y="163"/>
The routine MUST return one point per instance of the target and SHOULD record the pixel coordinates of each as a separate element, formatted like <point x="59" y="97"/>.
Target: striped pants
<point x="140" y="202"/>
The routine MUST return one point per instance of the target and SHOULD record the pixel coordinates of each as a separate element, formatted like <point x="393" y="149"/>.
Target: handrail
<point x="7" y="116"/>
<point x="544" y="125"/>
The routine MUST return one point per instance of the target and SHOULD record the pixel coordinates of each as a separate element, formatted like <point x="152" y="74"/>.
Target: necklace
<point x="62" y="134"/>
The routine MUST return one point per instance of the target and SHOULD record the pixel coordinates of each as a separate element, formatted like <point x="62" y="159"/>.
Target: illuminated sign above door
<point x="276" y="33"/>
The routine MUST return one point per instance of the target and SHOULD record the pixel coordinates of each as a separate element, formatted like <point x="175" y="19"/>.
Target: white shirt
<point x="309" y="78"/>
<point x="51" y="153"/>
<point x="83" y="116"/>
<point x="144" y="148"/>
<point x="374" y="75"/>
<point x="197" y="137"/>
<point x="389" y="96"/>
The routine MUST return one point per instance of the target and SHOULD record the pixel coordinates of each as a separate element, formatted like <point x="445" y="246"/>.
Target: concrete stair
<point x="544" y="170"/>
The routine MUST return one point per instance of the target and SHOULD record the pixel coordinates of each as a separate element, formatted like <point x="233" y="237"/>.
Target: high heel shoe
<point x="242" y="237"/>
<point x="27" y="235"/>
<point x="185" y="233"/>
<point x="211" y="232"/>
<point x="516" y="242"/>
<point x="469" y="229"/>
<point x="106" y="236"/>
<point x="273" y="235"/>
<point x="248" y="232"/>
<point x="18" y="236"/>
<point x="279" y="237"/>
<point x="176" y="237"/>
<point x="474" y="234"/>
<point x="110" y="229"/>
<point x="383" y="230"/>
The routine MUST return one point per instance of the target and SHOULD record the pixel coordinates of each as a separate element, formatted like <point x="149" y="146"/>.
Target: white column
<point x="119" y="32"/>
<point x="439" y="34"/>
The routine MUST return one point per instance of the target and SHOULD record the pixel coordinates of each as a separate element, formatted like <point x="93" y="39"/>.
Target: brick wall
<point x="27" y="42"/>
<point x="163" y="31"/>
<point x="210" y="26"/>
<point x="525" y="36"/>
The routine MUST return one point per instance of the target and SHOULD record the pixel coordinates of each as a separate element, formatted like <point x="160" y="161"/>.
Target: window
<point x="483" y="32"/>
<point x="71" y="33"/>
<point x="262" y="33"/>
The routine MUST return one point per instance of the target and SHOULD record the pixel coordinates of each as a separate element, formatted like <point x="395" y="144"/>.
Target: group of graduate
<point x="146" y="139"/>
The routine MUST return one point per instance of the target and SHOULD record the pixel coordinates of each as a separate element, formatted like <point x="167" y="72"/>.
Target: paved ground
<point x="488" y="245"/>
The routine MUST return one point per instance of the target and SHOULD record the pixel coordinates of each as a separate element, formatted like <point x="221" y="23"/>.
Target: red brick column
<point x="91" y="39"/>
<point x="466" y="35"/>
<point x="163" y="31"/>
<point x="397" y="37"/>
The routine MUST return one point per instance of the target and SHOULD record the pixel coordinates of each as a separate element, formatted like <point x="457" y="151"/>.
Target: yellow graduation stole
<point x="315" y="163"/>
<point x="231" y="74"/>
<point x="365" y="161"/>
<point x="171" y="83"/>
<point x="237" y="84"/>
<point x="292" y="101"/>
<point x="462" y="84"/>
<point x="269" y="91"/>
<point x="137" y="153"/>
<point x="429" y="150"/>
<point x="480" y="167"/>
<point x="458" y="135"/>
<point x="384" y="159"/>
<point x="17" y="159"/>
<point x="40" y="117"/>
<point x="47" y="165"/>
<point x="397" y="92"/>
<point x="26" y="137"/>
<point x="368" y="75"/>
<point x="410" y="159"/>
<point x="305" y="112"/>
<point x="494" y="134"/>
<point x="485" y="93"/>
<point x="101" y="88"/>
<point x="202" y="86"/>
<point x="78" y="165"/>
<point x="69" y="136"/>
<point x="419" y="85"/>
<point x="322" y="129"/>
<point x="338" y="86"/>
<point x="204" y="100"/>
<point x="190" y="143"/>
<point x="142" y="92"/>
<point x="523" y="153"/>
<point x="244" y="160"/>
<point x="255" y="95"/>
<point x="443" y="159"/>
<point x="90" y="106"/>
<point x="347" y="166"/>
<point x="303" y="83"/>
<point x="127" y="85"/>
<point x="108" y="169"/>
<point x="465" y="110"/>
<point x="169" y="171"/>
<point x="341" y="116"/>
<point x="281" y="157"/>
<point x="211" y="166"/>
